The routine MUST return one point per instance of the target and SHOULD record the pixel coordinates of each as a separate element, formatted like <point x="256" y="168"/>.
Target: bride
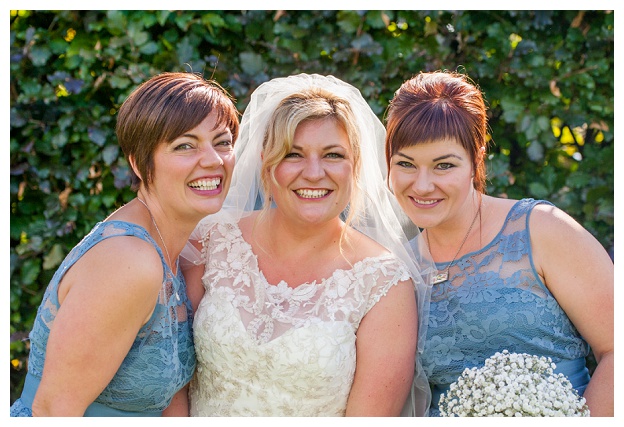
<point x="305" y="293"/>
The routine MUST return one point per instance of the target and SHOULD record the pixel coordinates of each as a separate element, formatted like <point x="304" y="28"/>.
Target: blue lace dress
<point x="161" y="360"/>
<point x="494" y="300"/>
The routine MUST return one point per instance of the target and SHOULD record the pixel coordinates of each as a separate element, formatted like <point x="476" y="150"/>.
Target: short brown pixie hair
<point x="435" y="106"/>
<point x="165" y="107"/>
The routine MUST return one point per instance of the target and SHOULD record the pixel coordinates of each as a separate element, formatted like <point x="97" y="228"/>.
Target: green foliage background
<point x="548" y="77"/>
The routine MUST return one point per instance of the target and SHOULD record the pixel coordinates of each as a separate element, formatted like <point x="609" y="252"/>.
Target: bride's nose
<point x="313" y="169"/>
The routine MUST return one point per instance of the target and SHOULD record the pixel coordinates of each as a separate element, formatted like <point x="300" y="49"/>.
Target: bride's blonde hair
<point x="310" y="104"/>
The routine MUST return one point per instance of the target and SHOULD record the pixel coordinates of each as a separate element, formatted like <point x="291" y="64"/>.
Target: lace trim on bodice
<point x="494" y="300"/>
<point x="269" y="310"/>
<point x="274" y="350"/>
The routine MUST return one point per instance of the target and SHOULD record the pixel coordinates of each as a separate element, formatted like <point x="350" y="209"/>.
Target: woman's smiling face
<point x="432" y="181"/>
<point x="315" y="179"/>
<point x="194" y="171"/>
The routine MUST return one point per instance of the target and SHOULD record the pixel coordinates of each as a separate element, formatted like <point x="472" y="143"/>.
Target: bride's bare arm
<point x="386" y="349"/>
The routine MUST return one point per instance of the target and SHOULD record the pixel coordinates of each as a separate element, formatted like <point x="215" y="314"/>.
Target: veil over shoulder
<point x="378" y="215"/>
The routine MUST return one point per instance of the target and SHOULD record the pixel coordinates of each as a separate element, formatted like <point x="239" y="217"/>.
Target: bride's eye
<point x="335" y="156"/>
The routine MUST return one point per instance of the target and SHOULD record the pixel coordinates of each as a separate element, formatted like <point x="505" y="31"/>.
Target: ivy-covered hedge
<point x="547" y="75"/>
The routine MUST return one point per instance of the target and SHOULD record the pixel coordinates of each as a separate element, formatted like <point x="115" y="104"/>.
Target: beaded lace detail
<point x="275" y="350"/>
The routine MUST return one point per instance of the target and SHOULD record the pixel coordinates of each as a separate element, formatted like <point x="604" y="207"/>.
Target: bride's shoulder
<point x="361" y="246"/>
<point x="247" y="223"/>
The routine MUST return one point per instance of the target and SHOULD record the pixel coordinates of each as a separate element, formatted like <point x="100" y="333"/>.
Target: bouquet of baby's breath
<point x="513" y="385"/>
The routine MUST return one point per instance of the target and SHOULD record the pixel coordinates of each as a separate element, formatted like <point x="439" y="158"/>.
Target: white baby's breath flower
<point x="513" y="385"/>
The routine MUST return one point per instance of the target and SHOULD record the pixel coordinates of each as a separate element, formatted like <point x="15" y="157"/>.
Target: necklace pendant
<point x="440" y="277"/>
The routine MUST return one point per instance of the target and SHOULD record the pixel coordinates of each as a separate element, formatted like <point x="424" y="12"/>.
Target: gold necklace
<point x="158" y="231"/>
<point x="443" y="277"/>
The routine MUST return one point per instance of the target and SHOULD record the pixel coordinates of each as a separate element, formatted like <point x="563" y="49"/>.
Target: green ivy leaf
<point x="53" y="258"/>
<point x="117" y="23"/>
<point x="39" y="55"/>
<point x="185" y="50"/>
<point x="375" y="18"/>
<point x="149" y="48"/>
<point x="139" y="37"/>
<point x="212" y="20"/>
<point x="119" y="82"/>
<point x="512" y="108"/>
<point x="578" y="180"/>
<point x="59" y="140"/>
<point x="535" y="151"/>
<point x="538" y="190"/>
<point x="29" y="271"/>
<point x="110" y="154"/>
<point x="162" y="16"/>
<point x="183" y="20"/>
<point x="251" y="63"/>
<point x="98" y="136"/>
<point x="348" y="21"/>
<point x="17" y="119"/>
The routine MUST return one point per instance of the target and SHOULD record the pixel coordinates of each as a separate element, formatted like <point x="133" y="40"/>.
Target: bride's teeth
<point x="206" y="184"/>
<point x="426" y="202"/>
<point x="312" y="194"/>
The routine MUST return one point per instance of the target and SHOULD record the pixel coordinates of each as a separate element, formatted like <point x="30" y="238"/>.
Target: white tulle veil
<point x="380" y="216"/>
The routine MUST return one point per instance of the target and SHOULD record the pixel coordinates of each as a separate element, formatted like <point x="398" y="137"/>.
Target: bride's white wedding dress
<point x="278" y="350"/>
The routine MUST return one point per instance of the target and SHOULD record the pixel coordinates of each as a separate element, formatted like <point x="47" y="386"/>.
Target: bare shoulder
<point x="497" y="207"/>
<point x="361" y="246"/>
<point x="550" y="220"/>
<point x="248" y="224"/>
<point x="494" y="211"/>
<point x="554" y="233"/>
<point x="123" y="264"/>
<point x="542" y="215"/>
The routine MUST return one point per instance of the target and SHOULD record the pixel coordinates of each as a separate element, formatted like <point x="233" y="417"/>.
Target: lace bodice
<point x="495" y="300"/>
<point x="162" y="357"/>
<point x="275" y="350"/>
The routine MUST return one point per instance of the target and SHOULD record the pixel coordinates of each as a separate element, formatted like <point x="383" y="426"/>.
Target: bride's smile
<point x="314" y="180"/>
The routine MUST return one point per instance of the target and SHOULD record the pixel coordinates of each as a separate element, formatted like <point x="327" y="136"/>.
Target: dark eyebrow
<point x="437" y="159"/>
<point x="193" y="136"/>
<point x="404" y="155"/>
<point x="446" y="156"/>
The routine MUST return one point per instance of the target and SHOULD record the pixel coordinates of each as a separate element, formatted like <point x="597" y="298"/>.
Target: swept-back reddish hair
<point x="439" y="105"/>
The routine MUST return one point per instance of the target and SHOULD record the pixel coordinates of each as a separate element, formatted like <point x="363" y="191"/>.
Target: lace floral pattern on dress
<point x="161" y="359"/>
<point x="495" y="300"/>
<point x="274" y="350"/>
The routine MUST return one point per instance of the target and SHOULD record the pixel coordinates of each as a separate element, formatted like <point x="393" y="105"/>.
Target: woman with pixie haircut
<point x="113" y="334"/>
